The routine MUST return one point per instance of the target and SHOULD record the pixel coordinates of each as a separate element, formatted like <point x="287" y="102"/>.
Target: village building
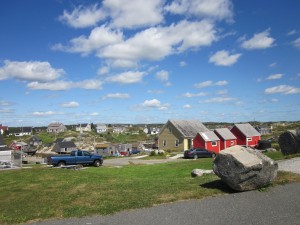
<point x="85" y="127"/>
<point x="101" y="128"/>
<point x="246" y="134"/>
<point x="179" y="134"/>
<point x="207" y="140"/>
<point x="227" y="139"/>
<point x="64" y="147"/>
<point x="56" y="128"/>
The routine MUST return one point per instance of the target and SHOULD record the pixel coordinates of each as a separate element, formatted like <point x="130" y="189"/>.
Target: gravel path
<point x="290" y="165"/>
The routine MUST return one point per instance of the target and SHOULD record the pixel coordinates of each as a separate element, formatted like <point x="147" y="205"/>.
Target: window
<point x="170" y="130"/>
<point x="79" y="153"/>
<point x="214" y="143"/>
<point x="231" y="142"/>
<point x="249" y="139"/>
<point x="86" y="154"/>
<point x="176" y="143"/>
<point x="164" y="143"/>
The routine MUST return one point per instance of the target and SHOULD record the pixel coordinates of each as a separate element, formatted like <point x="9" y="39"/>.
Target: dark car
<point x="198" y="153"/>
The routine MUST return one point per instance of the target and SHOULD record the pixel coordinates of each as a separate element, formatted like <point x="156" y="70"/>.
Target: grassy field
<point x="41" y="193"/>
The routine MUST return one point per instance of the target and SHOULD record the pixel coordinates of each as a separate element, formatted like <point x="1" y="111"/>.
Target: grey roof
<point x="189" y="128"/>
<point x="225" y="133"/>
<point x="209" y="136"/>
<point x="247" y="129"/>
<point x="67" y="144"/>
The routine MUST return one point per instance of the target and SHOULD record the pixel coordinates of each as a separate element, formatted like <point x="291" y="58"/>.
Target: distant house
<point x="64" y="147"/>
<point x="246" y="134"/>
<point x="20" y="131"/>
<point x="263" y="130"/>
<point x="56" y="128"/>
<point x="207" y="140"/>
<point x="151" y="130"/>
<point x="119" y="130"/>
<point x="179" y="134"/>
<point x="101" y="128"/>
<point x="3" y="129"/>
<point x="35" y="141"/>
<point x="227" y="138"/>
<point x="86" y="127"/>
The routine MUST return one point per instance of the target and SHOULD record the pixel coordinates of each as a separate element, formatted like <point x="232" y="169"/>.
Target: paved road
<point x="276" y="206"/>
<point x="290" y="165"/>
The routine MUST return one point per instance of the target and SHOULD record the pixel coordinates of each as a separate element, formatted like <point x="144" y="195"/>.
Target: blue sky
<point x="140" y="61"/>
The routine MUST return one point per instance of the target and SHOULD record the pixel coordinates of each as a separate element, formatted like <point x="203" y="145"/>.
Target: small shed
<point x="246" y="134"/>
<point x="64" y="147"/>
<point x="207" y="140"/>
<point x="227" y="139"/>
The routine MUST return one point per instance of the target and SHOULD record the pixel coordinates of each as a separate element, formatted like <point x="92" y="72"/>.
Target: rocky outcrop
<point x="243" y="168"/>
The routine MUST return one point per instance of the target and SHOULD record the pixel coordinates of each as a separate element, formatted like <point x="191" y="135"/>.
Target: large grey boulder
<point x="243" y="168"/>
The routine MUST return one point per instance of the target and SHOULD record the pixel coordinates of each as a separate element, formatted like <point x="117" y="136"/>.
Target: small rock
<point x="199" y="172"/>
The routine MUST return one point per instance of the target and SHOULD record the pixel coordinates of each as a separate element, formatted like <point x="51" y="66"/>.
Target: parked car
<point x="135" y="151"/>
<point x="76" y="157"/>
<point x="198" y="153"/>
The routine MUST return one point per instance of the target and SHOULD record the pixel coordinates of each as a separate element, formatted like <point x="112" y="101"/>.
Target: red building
<point x="227" y="138"/>
<point x="246" y="134"/>
<point x="207" y="140"/>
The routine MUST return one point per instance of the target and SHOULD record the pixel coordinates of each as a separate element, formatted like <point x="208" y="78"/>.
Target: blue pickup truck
<point x="77" y="157"/>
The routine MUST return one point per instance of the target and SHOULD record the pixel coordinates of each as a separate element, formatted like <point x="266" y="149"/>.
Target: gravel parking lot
<point x="289" y="165"/>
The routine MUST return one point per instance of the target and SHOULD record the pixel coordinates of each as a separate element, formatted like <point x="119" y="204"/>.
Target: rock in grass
<point x="244" y="169"/>
<point x="199" y="172"/>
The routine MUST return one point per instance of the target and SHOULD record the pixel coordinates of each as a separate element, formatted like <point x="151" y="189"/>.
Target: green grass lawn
<point x="40" y="193"/>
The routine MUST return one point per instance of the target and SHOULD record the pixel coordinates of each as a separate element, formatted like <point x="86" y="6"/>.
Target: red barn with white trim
<point x="208" y="140"/>
<point x="227" y="139"/>
<point x="246" y="134"/>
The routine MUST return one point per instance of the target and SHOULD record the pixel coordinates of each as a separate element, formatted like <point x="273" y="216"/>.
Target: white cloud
<point x="65" y="85"/>
<point x="191" y="95"/>
<point x="158" y="42"/>
<point x="29" y="71"/>
<point x="204" y="84"/>
<point x="282" y="89"/>
<point x="98" y="38"/>
<point x="259" y="41"/>
<point x="273" y="64"/>
<point x="217" y="9"/>
<point x="292" y="32"/>
<point x="211" y="83"/>
<point x="222" y="92"/>
<point x="6" y="111"/>
<point x="296" y="43"/>
<point x="218" y="100"/>
<point x="5" y="103"/>
<point x="70" y="104"/>
<point x="116" y="95"/>
<point x="94" y="114"/>
<point x="129" y="77"/>
<point x="82" y="16"/>
<point x="132" y="14"/>
<point x="275" y="76"/>
<point x="155" y="91"/>
<point x="47" y="113"/>
<point x="223" y="58"/>
<point x="187" y="106"/>
<point x="103" y="70"/>
<point x="153" y="104"/>
<point x="221" y="83"/>
<point x="162" y="75"/>
<point x="182" y="64"/>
